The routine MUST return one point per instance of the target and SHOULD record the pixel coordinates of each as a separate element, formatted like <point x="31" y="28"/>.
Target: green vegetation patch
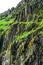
<point x="4" y="25"/>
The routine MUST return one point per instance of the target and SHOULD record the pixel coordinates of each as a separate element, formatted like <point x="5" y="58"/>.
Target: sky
<point x="6" y="4"/>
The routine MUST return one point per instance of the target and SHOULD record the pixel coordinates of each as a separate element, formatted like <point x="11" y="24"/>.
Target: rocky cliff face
<point x="22" y="44"/>
<point x="29" y="10"/>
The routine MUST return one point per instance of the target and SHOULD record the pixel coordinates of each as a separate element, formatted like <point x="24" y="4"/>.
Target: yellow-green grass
<point x="4" y="25"/>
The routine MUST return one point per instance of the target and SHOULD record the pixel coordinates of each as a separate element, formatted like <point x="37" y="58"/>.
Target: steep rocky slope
<point x="21" y="42"/>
